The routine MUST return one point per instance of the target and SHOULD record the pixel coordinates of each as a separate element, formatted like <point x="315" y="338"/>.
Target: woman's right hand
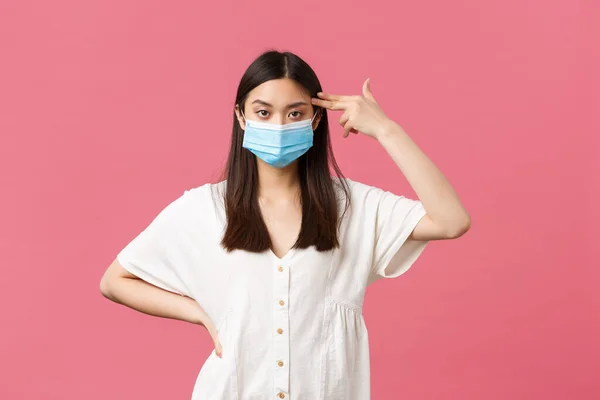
<point x="204" y="320"/>
<point x="122" y="287"/>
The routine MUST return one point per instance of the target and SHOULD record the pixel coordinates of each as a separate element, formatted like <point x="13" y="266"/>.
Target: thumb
<point x="366" y="89"/>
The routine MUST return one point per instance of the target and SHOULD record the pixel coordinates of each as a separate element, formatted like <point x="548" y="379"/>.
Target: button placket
<point x="281" y="336"/>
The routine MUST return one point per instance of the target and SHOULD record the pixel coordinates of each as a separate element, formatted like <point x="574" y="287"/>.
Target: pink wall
<point x="110" y="109"/>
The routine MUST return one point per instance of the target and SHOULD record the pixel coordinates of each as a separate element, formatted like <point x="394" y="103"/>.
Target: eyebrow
<point x="296" y="104"/>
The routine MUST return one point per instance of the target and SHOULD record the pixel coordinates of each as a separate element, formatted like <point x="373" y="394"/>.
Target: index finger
<point x="328" y="104"/>
<point x="333" y="97"/>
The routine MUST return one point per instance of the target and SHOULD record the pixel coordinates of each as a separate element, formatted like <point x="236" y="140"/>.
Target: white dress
<point x="291" y="328"/>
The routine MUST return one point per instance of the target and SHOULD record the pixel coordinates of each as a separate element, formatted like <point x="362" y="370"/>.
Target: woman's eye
<point x="263" y="113"/>
<point x="298" y="113"/>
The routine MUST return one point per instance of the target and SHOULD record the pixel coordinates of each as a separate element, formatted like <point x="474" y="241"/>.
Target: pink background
<point x="110" y="109"/>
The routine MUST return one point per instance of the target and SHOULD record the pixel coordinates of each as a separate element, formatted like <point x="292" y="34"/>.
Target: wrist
<point x="387" y="129"/>
<point x="194" y="313"/>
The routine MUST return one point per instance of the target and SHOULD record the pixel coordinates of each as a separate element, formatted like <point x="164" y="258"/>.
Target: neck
<point x="279" y="182"/>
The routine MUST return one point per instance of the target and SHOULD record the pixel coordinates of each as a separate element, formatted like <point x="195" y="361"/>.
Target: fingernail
<point x="314" y="101"/>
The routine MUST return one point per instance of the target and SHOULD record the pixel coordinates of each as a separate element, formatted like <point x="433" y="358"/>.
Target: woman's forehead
<point x="279" y="93"/>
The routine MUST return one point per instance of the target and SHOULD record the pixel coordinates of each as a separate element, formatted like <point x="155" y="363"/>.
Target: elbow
<point x="105" y="287"/>
<point x="460" y="228"/>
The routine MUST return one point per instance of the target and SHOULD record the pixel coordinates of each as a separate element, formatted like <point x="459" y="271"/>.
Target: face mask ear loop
<point x="243" y="116"/>
<point x="313" y="118"/>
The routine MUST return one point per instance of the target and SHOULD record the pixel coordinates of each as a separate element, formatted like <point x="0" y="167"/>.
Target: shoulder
<point x="368" y="201"/>
<point x="205" y="192"/>
<point x="195" y="201"/>
<point x="357" y="191"/>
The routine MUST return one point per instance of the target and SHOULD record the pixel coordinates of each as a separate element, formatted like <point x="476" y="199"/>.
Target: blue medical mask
<point x="278" y="145"/>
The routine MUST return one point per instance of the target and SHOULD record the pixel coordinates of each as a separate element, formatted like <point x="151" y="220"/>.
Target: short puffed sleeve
<point x="386" y="221"/>
<point x="157" y="254"/>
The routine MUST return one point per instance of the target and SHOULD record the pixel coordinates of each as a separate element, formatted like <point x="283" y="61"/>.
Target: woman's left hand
<point x="360" y="113"/>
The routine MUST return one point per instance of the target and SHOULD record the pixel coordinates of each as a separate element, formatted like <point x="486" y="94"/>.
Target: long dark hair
<point x="246" y="229"/>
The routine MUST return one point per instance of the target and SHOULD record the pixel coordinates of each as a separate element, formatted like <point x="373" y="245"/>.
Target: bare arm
<point x="446" y="216"/>
<point x="122" y="287"/>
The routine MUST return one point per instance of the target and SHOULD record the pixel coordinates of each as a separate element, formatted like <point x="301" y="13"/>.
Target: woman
<point x="274" y="260"/>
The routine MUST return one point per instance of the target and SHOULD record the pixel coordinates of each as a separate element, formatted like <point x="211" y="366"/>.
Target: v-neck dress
<point x="292" y="327"/>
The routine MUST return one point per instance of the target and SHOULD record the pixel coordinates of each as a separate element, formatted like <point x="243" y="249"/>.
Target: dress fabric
<point x="290" y="327"/>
